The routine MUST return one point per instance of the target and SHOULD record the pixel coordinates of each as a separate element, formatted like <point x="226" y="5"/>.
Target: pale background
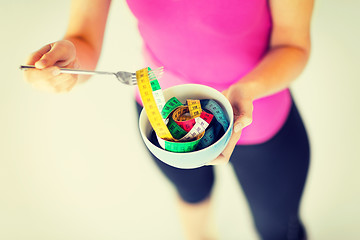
<point x="73" y="166"/>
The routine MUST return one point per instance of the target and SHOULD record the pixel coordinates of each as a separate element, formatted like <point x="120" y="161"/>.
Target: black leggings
<point x="271" y="174"/>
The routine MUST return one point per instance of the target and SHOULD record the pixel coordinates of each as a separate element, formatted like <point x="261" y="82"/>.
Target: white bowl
<point x="198" y="158"/>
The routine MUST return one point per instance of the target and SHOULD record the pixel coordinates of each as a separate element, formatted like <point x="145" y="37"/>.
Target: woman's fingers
<point x="64" y="85"/>
<point x="224" y="157"/>
<point x="242" y="114"/>
<point x="60" y="54"/>
<point x="35" y="56"/>
<point x="50" y="80"/>
<point x="242" y="108"/>
<point x="43" y="75"/>
<point x="47" y="60"/>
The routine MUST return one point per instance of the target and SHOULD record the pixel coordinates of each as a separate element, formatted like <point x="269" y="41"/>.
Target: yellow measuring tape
<point x="150" y="106"/>
<point x="194" y="108"/>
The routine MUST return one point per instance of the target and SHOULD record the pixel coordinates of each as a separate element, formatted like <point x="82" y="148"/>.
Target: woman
<point x="249" y="50"/>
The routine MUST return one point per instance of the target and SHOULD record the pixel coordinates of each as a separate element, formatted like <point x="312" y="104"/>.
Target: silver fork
<point x="128" y="78"/>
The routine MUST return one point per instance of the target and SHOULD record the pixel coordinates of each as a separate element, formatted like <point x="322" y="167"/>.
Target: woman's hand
<point x="47" y="61"/>
<point x="242" y="105"/>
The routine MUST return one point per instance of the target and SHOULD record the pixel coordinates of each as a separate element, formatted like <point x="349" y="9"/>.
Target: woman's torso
<point x="214" y="43"/>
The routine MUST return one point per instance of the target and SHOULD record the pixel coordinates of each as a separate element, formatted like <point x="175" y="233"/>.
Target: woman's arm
<point x="286" y="58"/>
<point x="289" y="49"/>
<point x="86" y="29"/>
<point x="80" y="48"/>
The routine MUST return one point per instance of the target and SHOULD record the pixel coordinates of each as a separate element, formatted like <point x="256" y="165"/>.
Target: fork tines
<point x="153" y="74"/>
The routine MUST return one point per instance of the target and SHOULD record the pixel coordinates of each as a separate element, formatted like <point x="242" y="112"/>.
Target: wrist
<point x="247" y="89"/>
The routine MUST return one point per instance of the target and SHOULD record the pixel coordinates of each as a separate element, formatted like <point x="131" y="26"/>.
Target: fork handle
<point x="71" y="71"/>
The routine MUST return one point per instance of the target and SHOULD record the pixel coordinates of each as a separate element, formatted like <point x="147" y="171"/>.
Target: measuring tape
<point x="182" y="118"/>
<point x="176" y="131"/>
<point x="170" y="106"/>
<point x="150" y="106"/>
<point x="217" y="111"/>
<point x="194" y="107"/>
<point x="180" y="146"/>
<point x="180" y="128"/>
<point x="158" y="94"/>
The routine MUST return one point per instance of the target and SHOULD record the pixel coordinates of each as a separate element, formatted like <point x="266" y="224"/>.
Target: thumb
<point x="241" y="122"/>
<point x="56" y="54"/>
<point x="242" y="114"/>
<point x="35" y="56"/>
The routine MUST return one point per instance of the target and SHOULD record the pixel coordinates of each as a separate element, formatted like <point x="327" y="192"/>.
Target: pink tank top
<point x="214" y="43"/>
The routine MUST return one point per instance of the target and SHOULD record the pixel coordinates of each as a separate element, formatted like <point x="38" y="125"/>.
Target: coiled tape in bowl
<point x="179" y="127"/>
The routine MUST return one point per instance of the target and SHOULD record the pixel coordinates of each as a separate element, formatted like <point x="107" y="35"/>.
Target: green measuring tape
<point x="170" y="106"/>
